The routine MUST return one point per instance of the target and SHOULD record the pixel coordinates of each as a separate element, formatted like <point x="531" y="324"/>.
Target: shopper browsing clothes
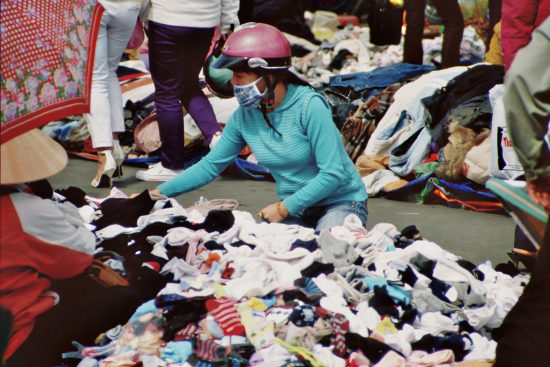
<point x="453" y="21"/>
<point x="106" y="119"/>
<point x="179" y="35"/>
<point x="524" y="336"/>
<point x="45" y="251"/>
<point x="289" y="128"/>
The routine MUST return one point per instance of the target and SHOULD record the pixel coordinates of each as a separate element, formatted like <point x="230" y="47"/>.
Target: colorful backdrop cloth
<point x="46" y="61"/>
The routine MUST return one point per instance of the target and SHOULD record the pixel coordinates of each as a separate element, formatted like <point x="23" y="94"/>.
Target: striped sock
<point x="224" y="311"/>
<point x="188" y="332"/>
<point x="340" y="325"/>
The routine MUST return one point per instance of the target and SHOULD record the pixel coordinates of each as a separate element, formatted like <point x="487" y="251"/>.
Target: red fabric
<point x="433" y="157"/>
<point x="47" y="59"/>
<point x="224" y="311"/>
<point x="478" y="206"/>
<point x="344" y="20"/>
<point x="519" y="20"/>
<point x="23" y="259"/>
<point x="137" y="37"/>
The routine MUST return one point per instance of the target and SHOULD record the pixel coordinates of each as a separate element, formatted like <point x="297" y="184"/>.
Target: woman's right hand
<point x="155" y="194"/>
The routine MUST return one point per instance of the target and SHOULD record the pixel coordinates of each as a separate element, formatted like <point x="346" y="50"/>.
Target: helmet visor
<point x="229" y="62"/>
<point x="254" y="63"/>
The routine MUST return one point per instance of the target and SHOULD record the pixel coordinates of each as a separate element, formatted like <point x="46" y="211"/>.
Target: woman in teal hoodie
<point x="289" y="128"/>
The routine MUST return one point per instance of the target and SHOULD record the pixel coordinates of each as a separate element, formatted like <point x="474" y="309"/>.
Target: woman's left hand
<point x="274" y="213"/>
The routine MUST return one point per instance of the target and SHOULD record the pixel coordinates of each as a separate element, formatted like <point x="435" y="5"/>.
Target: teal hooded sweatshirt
<point x="307" y="159"/>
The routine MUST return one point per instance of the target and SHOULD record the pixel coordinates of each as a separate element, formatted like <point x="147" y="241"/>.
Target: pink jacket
<point x="519" y="20"/>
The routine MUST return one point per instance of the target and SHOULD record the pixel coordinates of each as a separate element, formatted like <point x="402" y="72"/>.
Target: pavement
<point x="474" y="236"/>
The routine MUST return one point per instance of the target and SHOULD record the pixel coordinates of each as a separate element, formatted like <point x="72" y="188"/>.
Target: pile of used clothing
<point x="415" y="133"/>
<point x="351" y="50"/>
<point x="425" y="135"/>
<point x="219" y="289"/>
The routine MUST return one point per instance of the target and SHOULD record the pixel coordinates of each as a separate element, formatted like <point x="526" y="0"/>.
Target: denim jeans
<point x="323" y="217"/>
<point x="378" y="78"/>
<point x="116" y="27"/>
<point x="410" y="153"/>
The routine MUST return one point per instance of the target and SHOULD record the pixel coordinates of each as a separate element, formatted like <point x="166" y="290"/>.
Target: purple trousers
<point x="176" y="56"/>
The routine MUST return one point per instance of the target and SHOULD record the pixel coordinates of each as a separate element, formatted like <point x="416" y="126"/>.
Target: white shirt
<point x="195" y="13"/>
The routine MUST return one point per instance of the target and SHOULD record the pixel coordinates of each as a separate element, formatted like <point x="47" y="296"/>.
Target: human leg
<point x="412" y="52"/>
<point x="98" y="119"/>
<point x="124" y="16"/>
<point x="121" y="26"/>
<point x="194" y="45"/>
<point x="452" y="18"/>
<point x="335" y="214"/>
<point x="165" y="62"/>
<point x="105" y="117"/>
<point x="524" y="336"/>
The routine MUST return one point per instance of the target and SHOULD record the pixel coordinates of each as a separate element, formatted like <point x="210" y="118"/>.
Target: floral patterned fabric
<point x="46" y="61"/>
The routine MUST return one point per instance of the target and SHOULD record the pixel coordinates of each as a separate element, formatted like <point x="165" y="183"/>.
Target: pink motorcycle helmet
<point x="255" y="46"/>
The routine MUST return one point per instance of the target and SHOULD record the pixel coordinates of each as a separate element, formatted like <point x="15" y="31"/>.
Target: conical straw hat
<point x="31" y="156"/>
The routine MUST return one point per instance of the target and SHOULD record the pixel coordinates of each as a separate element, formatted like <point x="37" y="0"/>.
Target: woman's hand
<point x="156" y="195"/>
<point x="274" y="213"/>
<point x="153" y="193"/>
<point x="539" y="191"/>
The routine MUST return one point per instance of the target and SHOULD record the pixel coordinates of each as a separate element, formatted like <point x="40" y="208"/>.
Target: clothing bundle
<point x="219" y="289"/>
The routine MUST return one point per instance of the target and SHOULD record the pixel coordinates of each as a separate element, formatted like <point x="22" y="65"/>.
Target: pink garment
<point x="419" y="358"/>
<point x="391" y="359"/>
<point x="519" y="20"/>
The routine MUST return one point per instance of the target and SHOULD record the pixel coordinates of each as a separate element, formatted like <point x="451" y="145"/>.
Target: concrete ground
<point x="476" y="237"/>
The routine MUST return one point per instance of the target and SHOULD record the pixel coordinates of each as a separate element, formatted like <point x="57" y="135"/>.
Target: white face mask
<point x="249" y="96"/>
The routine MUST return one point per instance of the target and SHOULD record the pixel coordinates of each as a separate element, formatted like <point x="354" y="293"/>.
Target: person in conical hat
<point x="45" y="247"/>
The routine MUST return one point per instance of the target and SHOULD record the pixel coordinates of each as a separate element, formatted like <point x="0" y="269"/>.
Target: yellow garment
<point x="325" y="24"/>
<point x="256" y="304"/>
<point x="495" y="55"/>
<point x="259" y="331"/>
<point x="304" y="353"/>
<point x="385" y="327"/>
<point x="219" y="291"/>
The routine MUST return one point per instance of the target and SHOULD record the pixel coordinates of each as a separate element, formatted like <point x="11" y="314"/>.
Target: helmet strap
<point x="270" y="90"/>
<point x="270" y="101"/>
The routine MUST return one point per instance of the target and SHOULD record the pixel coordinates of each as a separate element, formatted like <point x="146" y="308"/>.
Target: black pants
<point x="452" y="18"/>
<point x="495" y="13"/>
<point x="524" y="337"/>
<point x="86" y="310"/>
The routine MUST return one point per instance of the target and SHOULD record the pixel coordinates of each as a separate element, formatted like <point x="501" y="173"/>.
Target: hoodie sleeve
<point x="207" y="169"/>
<point x="527" y="99"/>
<point x="324" y="139"/>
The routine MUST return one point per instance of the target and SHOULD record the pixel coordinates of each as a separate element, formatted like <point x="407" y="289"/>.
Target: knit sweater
<point x="195" y="13"/>
<point x="308" y="162"/>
